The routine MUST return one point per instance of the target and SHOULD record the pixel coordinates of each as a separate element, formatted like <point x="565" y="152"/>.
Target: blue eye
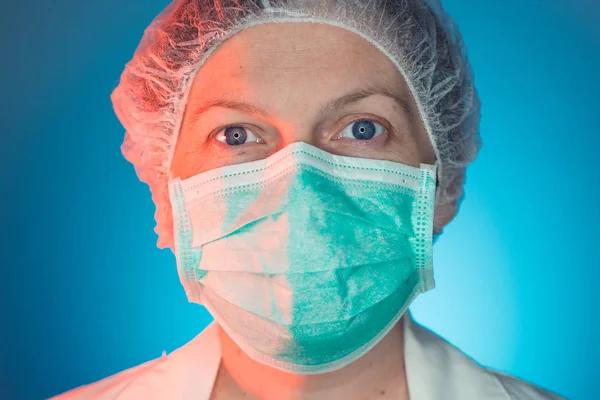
<point x="236" y="135"/>
<point x="363" y="129"/>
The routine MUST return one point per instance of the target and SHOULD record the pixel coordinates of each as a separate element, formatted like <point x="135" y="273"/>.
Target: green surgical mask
<point x="306" y="259"/>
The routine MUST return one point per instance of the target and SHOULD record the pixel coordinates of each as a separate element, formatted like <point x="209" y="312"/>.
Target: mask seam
<point x="422" y="225"/>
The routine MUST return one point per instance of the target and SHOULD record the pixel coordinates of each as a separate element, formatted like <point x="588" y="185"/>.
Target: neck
<point x="378" y="374"/>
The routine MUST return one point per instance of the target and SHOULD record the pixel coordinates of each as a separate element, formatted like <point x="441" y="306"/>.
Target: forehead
<point x="308" y="60"/>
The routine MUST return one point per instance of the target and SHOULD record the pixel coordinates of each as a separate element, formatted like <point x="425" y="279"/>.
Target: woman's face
<point x="275" y="84"/>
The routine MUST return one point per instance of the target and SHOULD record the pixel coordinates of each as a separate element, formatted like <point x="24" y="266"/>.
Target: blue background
<point x="85" y="293"/>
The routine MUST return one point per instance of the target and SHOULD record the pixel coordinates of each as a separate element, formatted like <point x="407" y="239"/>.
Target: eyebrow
<point x="332" y="106"/>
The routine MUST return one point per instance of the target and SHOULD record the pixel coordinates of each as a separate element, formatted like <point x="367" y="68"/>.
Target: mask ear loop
<point x="436" y="236"/>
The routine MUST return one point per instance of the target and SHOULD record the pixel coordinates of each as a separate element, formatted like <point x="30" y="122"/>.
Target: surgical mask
<point x="306" y="259"/>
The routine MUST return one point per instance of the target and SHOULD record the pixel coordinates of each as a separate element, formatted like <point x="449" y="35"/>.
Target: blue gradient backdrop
<point x="85" y="293"/>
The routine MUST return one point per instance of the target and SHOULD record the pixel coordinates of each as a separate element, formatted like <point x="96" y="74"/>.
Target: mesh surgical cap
<point x="417" y="35"/>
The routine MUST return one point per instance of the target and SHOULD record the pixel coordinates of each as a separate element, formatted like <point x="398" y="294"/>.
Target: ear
<point x="443" y="215"/>
<point x="448" y="202"/>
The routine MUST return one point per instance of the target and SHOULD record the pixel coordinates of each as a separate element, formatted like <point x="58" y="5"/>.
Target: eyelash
<point x="386" y="131"/>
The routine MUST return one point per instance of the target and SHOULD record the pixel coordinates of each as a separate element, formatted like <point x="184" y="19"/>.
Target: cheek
<point x="193" y="159"/>
<point x="403" y="150"/>
<point x="187" y="161"/>
<point x="407" y="155"/>
<point x="423" y="146"/>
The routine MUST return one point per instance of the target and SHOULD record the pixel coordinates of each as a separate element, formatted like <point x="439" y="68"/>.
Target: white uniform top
<point x="435" y="370"/>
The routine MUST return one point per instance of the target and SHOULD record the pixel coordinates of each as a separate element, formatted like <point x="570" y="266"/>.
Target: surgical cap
<point x="417" y="35"/>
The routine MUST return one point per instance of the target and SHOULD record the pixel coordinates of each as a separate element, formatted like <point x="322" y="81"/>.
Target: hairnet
<point x="417" y="35"/>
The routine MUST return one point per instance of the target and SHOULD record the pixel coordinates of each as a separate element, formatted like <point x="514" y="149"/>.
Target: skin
<point x="291" y="71"/>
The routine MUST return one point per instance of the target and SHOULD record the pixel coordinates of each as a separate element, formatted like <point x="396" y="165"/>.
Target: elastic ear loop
<point x="436" y="236"/>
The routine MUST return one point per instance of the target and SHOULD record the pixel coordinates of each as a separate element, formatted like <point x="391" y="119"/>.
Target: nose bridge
<point x="298" y="130"/>
<point x="297" y="117"/>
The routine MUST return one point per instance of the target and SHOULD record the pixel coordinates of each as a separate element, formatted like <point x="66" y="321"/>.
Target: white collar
<point x="435" y="369"/>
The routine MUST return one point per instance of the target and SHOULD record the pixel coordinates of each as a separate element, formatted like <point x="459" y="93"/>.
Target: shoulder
<point x="520" y="390"/>
<point x="188" y="372"/>
<point x="110" y="387"/>
<point x="436" y="369"/>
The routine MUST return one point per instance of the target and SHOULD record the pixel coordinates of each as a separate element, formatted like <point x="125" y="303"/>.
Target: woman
<point x="302" y="156"/>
